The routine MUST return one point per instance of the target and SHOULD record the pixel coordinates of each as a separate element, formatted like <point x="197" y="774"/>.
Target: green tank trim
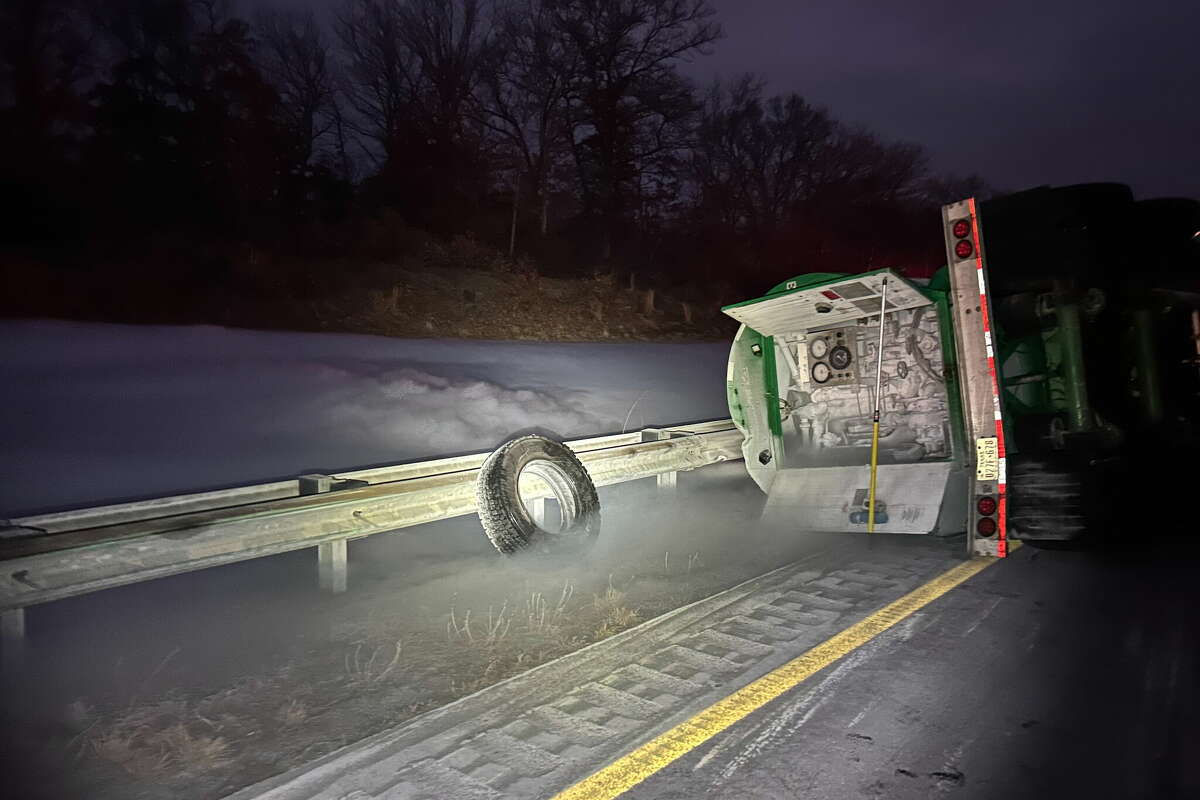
<point x="941" y="302"/>
<point x="771" y="375"/>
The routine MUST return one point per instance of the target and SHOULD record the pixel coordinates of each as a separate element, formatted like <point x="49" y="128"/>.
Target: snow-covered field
<point x="94" y="413"/>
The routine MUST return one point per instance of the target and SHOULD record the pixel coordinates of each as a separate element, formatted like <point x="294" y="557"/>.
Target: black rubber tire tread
<point x="1046" y="500"/>
<point x="506" y="520"/>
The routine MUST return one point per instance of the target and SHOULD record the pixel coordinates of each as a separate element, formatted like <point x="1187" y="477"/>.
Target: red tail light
<point x="960" y="229"/>
<point x="963" y="248"/>
<point x="986" y="526"/>
<point x="986" y="506"/>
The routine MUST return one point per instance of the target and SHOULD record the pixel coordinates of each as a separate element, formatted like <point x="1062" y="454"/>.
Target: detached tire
<point x="506" y="520"/>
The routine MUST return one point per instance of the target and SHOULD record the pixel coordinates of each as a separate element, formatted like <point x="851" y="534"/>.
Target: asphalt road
<point x="1058" y="674"/>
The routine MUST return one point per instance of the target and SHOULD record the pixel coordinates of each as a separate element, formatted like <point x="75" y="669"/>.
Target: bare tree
<point x="44" y="53"/>
<point x="296" y="60"/>
<point x="381" y="74"/>
<point x="522" y="100"/>
<point x="411" y="62"/>
<point x="411" y="67"/>
<point x="788" y="181"/>
<point x="757" y="159"/>
<point x="448" y="39"/>
<point x="630" y="107"/>
<point x="45" y="61"/>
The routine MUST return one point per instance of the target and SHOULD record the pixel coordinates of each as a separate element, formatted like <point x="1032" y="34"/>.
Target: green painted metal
<point x="1025" y="375"/>
<point x="1071" y="368"/>
<point x="941" y="301"/>
<point x="746" y="389"/>
<point x="771" y="374"/>
<point x="1145" y="359"/>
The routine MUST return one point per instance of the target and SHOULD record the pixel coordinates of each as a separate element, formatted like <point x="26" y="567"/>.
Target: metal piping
<point x="1079" y="410"/>
<point x="1149" y="382"/>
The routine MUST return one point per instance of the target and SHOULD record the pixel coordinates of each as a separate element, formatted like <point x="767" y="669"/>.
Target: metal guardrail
<point x="77" y="552"/>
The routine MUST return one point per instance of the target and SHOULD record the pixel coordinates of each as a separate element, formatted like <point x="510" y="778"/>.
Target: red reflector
<point x="963" y="248"/>
<point x="960" y="229"/>
<point x="986" y="506"/>
<point x="986" y="526"/>
<point x="832" y="295"/>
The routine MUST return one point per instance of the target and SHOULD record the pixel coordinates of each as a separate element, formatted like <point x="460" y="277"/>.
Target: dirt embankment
<point x="478" y="304"/>
<point x="415" y="287"/>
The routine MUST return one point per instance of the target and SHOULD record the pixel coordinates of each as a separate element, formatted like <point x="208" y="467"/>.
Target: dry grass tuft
<point x="146" y="750"/>
<point x="128" y="750"/>
<point x="363" y="671"/>
<point x="541" y="617"/>
<point x="293" y="714"/>
<point x="495" y="627"/>
<point x="616" y="617"/>
<point x="193" y="752"/>
<point x="611" y="597"/>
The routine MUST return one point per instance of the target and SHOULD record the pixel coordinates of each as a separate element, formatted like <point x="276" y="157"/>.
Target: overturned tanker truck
<point x="1032" y="389"/>
<point x="1035" y="379"/>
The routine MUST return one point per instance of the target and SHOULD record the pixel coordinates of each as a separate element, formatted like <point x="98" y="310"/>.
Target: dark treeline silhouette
<point x="171" y="155"/>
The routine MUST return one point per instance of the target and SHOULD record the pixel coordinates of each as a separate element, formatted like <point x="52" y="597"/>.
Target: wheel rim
<point x="562" y="490"/>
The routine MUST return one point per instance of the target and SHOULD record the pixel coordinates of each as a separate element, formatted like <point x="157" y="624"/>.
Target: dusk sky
<point x="1023" y="92"/>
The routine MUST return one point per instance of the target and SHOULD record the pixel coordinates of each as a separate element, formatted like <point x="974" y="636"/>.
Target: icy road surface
<point x="93" y="413"/>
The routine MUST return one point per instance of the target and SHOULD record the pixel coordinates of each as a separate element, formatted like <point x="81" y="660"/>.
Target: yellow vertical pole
<point x="875" y="417"/>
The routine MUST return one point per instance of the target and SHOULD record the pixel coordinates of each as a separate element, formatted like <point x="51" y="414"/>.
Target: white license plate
<point x="987" y="459"/>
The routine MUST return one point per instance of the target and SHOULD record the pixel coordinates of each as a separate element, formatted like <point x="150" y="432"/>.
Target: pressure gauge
<point x="819" y="347"/>
<point x="821" y="372"/>
<point x="839" y="358"/>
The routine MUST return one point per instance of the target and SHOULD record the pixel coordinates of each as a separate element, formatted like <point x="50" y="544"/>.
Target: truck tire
<point x="506" y="520"/>
<point x="1046" y="500"/>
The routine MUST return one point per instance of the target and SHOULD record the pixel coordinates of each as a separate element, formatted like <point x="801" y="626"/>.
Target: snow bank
<point x="96" y="413"/>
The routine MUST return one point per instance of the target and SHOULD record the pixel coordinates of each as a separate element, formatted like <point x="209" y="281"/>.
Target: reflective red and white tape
<point x="1001" y="500"/>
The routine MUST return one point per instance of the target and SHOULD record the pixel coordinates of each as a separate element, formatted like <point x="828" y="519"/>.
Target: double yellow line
<point x="635" y="767"/>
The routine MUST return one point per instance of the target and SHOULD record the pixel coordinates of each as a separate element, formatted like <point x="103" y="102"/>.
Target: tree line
<point x="563" y="130"/>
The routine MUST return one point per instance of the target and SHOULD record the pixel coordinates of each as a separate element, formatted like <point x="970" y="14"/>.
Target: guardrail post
<point x="332" y="566"/>
<point x="331" y="556"/>
<point x="537" y="510"/>
<point x="667" y="481"/>
<point x="12" y="638"/>
<point x="314" y="484"/>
